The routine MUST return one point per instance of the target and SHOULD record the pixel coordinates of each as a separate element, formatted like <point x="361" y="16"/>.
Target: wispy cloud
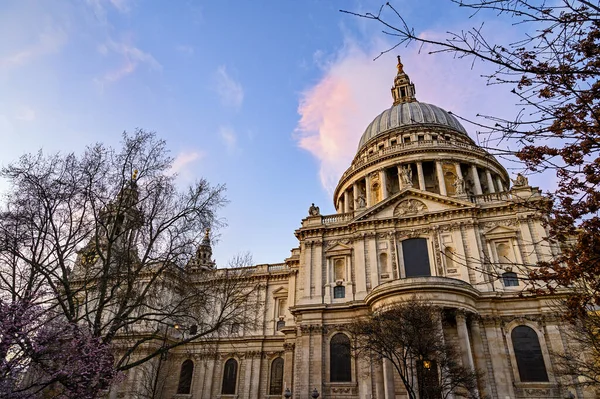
<point x="132" y="56"/>
<point x="230" y="91"/>
<point x="229" y="137"/>
<point x="99" y="7"/>
<point x="185" y="49"/>
<point x="48" y="42"/>
<point x="25" y="113"/>
<point x="184" y="159"/>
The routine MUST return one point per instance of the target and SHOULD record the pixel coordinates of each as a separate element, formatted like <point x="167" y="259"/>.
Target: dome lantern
<point x="403" y="90"/>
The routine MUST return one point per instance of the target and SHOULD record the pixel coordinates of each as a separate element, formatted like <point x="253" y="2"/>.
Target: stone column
<point x="479" y="358"/>
<point x="421" y="176"/>
<point x="355" y="195"/>
<point x="476" y="182"/>
<point x="463" y="338"/>
<point x="388" y="379"/>
<point x="379" y="388"/>
<point x="383" y="180"/>
<point x="400" y="181"/>
<point x="440" y="176"/>
<point x="499" y="183"/>
<point x="368" y="190"/>
<point x="458" y="170"/>
<point x="346" y="201"/>
<point x="488" y="174"/>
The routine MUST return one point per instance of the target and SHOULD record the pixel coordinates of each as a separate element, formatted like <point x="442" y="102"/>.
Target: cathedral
<point x="421" y="210"/>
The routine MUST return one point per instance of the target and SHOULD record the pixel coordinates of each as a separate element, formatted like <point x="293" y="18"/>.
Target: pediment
<point x="411" y="203"/>
<point x="500" y="231"/>
<point x="280" y="292"/>
<point x="337" y="248"/>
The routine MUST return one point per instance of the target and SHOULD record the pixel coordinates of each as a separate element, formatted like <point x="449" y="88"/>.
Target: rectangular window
<point x="339" y="291"/>
<point x="393" y="142"/>
<point x="510" y="279"/>
<point x="416" y="257"/>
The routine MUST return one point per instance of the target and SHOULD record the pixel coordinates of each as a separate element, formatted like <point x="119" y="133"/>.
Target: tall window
<point x="340" y="365"/>
<point x="185" y="377"/>
<point x="528" y="352"/>
<point x="339" y="291"/>
<point x="276" y="384"/>
<point x="229" y="377"/>
<point x="416" y="257"/>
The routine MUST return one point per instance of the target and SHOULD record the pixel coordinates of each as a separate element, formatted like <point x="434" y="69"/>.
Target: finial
<point x="206" y="232"/>
<point x="400" y="66"/>
<point x="135" y="175"/>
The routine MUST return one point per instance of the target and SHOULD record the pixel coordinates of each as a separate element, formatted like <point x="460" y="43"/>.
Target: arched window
<point x="528" y="353"/>
<point x="276" y="383"/>
<point x="229" y="377"/>
<point x="416" y="257"/>
<point x="510" y="279"/>
<point x="340" y="365"/>
<point x="185" y="377"/>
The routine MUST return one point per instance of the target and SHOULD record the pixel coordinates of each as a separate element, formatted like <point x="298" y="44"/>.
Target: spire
<point x="403" y="90"/>
<point x="203" y="259"/>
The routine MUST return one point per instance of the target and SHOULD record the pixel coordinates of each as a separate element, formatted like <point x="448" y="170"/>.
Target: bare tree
<point x="106" y="242"/>
<point x="409" y="335"/>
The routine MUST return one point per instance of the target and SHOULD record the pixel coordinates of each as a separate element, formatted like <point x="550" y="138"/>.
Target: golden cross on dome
<point x="135" y="175"/>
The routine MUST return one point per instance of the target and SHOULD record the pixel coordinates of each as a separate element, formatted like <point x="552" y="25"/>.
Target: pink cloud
<point x="354" y="89"/>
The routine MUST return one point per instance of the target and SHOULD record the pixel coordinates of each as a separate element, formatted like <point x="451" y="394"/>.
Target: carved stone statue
<point x="406" y="176"/>
<point x="520" y="181"/>
<point x="313" y="210"/>
<point x="360" y="201"/>
<point x="459" y="186"/>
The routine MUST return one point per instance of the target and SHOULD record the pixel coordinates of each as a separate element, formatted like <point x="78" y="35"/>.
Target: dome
<point x="410" y="114"/>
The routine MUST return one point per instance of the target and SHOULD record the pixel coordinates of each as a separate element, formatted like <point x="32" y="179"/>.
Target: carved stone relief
<point x="409" y="207"/>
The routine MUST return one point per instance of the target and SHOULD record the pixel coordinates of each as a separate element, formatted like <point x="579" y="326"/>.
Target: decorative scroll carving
<point x="409" y="207"/>
<point x="289" y="346"/>
<point x="333" y="243"/>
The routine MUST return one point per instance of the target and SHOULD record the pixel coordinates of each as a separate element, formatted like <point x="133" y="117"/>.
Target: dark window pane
<point x="339" y="356"/>
<point x="280" y="324"/>
<point x="276" y="386"/>
<point x="510" y="279"/>
<point x="416" y="257"/>
<point x="185" y="377"/>
<point x="528" y="352"/>
<point x="339" y="291"/>
<point x="229" y="377"/>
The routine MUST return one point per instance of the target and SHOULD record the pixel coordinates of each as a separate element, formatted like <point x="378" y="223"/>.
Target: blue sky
<point x="268" y="97"/>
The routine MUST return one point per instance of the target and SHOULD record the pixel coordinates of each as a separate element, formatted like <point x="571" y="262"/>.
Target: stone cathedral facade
<point x="421" y="210"/>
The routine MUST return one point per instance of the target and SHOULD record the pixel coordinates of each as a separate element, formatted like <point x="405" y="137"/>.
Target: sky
<point x="269" y="98"/>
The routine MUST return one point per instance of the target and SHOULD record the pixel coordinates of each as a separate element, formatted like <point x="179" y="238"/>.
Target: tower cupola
<point x="403" y="90"/>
